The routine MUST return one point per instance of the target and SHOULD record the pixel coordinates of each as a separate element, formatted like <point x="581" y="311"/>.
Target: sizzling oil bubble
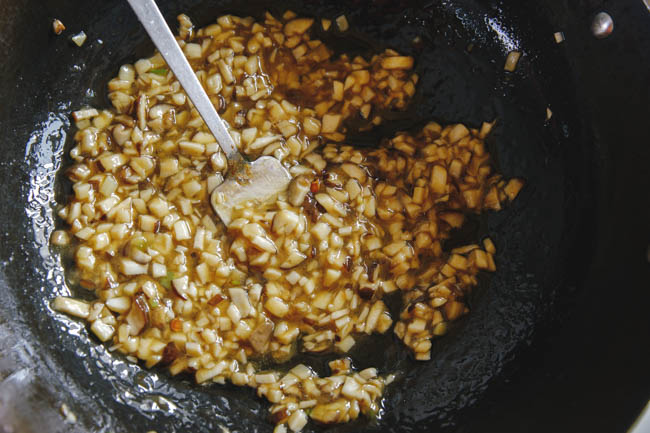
<point x="508" y="41"/>
<point x="43" y="153"/>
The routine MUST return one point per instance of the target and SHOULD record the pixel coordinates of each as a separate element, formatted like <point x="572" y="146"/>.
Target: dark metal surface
<point x="557" y="337"/>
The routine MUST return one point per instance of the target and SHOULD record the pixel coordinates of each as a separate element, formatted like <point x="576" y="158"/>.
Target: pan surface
<point x="554" y="336"/>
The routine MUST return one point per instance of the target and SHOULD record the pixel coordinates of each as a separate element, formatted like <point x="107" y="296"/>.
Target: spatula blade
<point x="258" y="182"/>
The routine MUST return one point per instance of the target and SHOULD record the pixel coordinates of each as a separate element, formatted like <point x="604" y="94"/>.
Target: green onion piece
<point x="160" y="71"/>
<point x="235" y="282"/>
<point x="140" y="243"/>
<point x="166" y="282"/>
<point x="154" y="303"/>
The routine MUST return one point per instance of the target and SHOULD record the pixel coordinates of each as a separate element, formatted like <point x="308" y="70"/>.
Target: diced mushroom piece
<point x="285" y="222"/>
<point x="330" y="204"/>
<point x="331" y="275"/>
<point x="489" y="246"/>
<point x="169" y="354"/>
<point x="129" y="267"/>
<point x="263" y="142"/>
<point x="168" y="166"/>
<point x="297" y="26"/>
<point x="397" y="62"/>
<point x="158" y="270"/>
<point x="486" y="127"/>
<point x="205" y="374"/>
<point x="368" y="373"/>
<point x="458" y="132"/>
<point x="182" y="230"/>
<point x="71" y="306"/>
<point x="354" y="171"/>
<point x="321" y="230"/>
<point x="265" y="244"/>
<point x="112" y="161"/>
<point x="136" y="253"/>
<point x="277" y="306"/>
<point x="102" y="330"/>
<point x="261" y="336"/>
<point x="298" y="189"/>
<point x="513" y="187"/>
<point x="351" y="388"/>
<point x="440" y="329"/>
<point x="158" y="317"/>
<point x="342" y="23"/>
<point x="191" y="148"/>
<point x="180" y="286"/>
<point x="79" y="38"/>
<point x="438" y="179"/>
<point x="86" y="113"/>
<point x="294" y="258"/>
<point x="251" y="230"/>
<point x="141" y="111"/>
<point x="240" y="298"/>
<point x="218" y="161"/>
<point x="297" y="420"/>
<point x="454" y="219"/>
<point x="138" y="317"/>
<point x="331" y="123"/>
<point x="340" y="366"/>
<point x="60" y="238"/>
<point x="119" y="304"/>
<point x="329" y="413"/>
<point x="512" y="60"/>
<point x="57" y="26"/>
<point x="192" y="51"/>
<point x="266" y="378"/>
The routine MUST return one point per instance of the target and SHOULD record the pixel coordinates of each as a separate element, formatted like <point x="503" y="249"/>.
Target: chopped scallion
<point x="140" y="243"/>
<point x="159" y="71"/>
<point x="166" y="281"/>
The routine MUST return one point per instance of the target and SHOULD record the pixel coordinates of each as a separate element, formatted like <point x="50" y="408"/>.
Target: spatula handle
<point x="154" y="23"/>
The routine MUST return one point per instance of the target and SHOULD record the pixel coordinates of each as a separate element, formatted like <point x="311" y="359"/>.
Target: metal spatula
<point x="260" y="180"/>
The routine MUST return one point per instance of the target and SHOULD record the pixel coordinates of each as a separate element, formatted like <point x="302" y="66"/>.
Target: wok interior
<point x="543" y="239"/>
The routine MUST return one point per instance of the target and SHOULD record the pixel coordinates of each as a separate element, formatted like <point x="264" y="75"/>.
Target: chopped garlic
<point x="79" y="38"/>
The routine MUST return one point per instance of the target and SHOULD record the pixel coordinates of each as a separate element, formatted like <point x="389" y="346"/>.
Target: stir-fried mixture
<point x="307" y="272"/>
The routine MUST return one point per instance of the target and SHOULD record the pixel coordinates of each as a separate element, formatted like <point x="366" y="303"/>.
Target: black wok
<point x="557" y="340"/>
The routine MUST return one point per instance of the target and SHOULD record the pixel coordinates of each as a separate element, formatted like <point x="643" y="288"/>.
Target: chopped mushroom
<point x="79" y="38"/>
<point x="86" y="113"/>
<point x="170" y="353"/>
<point x="309" y="270"/>
<point x="138" y="316"/>
<point x="57" y="26"/>
<point x="342" y="23"/>
<point x="297" y="26"/>
<point x="261" y="336"/>
<point x="512" y="60"/>
<point x="71" y="306"/>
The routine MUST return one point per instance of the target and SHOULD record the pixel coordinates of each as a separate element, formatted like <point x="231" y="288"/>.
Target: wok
<point x="557" y="340"/>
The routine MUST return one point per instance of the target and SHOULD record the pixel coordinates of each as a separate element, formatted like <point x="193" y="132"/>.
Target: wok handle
<point x="154" y="23"/>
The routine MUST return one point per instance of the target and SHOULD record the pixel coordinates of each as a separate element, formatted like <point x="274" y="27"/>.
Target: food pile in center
<point x="307" y="272"/>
